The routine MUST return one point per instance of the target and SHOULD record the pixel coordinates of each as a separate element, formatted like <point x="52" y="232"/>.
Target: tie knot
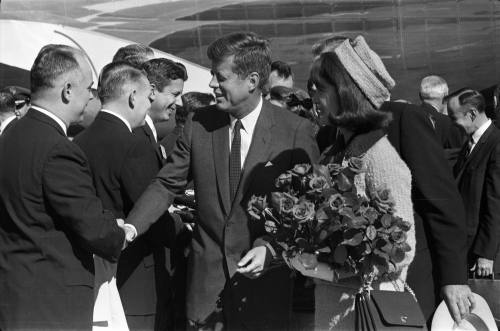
<point x="237" y="125"/>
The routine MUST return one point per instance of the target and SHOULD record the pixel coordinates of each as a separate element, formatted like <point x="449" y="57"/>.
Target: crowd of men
<point x="109" y="187"/>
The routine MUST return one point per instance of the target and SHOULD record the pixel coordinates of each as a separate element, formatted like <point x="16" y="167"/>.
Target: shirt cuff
<point x="131" y="234"/>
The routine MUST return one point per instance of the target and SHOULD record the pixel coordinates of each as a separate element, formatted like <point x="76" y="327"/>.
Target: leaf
<point x="397" y="254"/>
<point x="340" y="254"/>
<point x="371" y="232"/>
<point x="321" y="215"/>
<point x="386" y="220"/>
<point x="354" y="241"/>
<point x="343" y="183"/>
<point x="357" y="222"/>
<point x="323" y="234"/>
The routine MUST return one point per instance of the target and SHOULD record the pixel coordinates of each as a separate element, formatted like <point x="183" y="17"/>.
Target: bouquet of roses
<point x="317" y="213"/>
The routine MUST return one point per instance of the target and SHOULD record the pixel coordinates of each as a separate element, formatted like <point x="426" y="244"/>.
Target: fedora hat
<point x="479" y="319"/>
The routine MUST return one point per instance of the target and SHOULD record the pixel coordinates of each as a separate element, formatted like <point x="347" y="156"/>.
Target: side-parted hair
<point x="114" y="77"/>
<point x="52" y="62"/>
<point x="134" y="54"/>
<point x="161" y="71"/>
<point x="191" y="101"/>
<point x="252" y="53"/>
<point x="356" y="113"/>
<point x="327" y="44"/>
<point x="433" y="88"/>
<point x="468" y="96"/>
<point x="282" y="68"/>
<point x="7" y="103"/>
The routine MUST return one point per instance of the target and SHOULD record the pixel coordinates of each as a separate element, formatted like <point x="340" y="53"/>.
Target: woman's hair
<point x="356" y="113"/>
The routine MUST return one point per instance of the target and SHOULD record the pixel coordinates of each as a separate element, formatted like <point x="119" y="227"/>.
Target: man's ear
<point x="154" y="90"/>
<point x="67" y="92"/>
<point x="473" y="113"/>
<point x="131" y="99"/>
<point x="253" y="80"/>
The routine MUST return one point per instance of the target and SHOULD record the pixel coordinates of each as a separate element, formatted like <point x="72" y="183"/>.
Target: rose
<point x="283" y="202"/>
<point x="383" y="201"/>
<point x="334" y="168"/>
<point x="301" y="169"/>
<point x="284" y="180"/>
<point x="303" y="211"/>
<point x="270" y="227"/>
<point x="335" y="202"/>
<point x="398" y="237"/>
<point x="256" y="206"/>
<point x="318" y="183"/>
<point x="356" y="165"/>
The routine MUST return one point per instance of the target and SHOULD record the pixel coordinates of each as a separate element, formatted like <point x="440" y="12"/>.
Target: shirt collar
<point x="149" y="122"/>
<point x="123" y="119"/>
<point x="479" y="132"/>
<point x="54" y="117"/>
<point x="250" y="120"/>
<point x="6" y="122"/>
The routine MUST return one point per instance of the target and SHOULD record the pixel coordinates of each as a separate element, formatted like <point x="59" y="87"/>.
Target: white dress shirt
<point x="123" y="119"/>
<point x="54" y="117"/>
<point x="478" y="133"/>
<point x="6" y="122"/>
<point x="149" y="122"/>
<point x="248" y="126"/>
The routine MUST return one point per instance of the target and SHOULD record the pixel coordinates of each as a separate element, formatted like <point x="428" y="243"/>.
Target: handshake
<point x="130" y="231"/>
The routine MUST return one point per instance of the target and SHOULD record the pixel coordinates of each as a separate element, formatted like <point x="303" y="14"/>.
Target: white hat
<point x="479" y="319"/>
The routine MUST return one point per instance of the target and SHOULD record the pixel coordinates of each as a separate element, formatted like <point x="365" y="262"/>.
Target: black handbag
<point x="388" y="310"/>
<point x="489" y="289"/>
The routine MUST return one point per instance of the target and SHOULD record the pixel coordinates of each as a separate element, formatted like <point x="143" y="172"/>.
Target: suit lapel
<point x="476" y="151"/>
<point x="156" y="146"/>
<point x="220" y="145"/>
<point x="259" y="148"/>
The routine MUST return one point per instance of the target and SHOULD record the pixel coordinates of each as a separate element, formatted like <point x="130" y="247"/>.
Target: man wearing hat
<point x="22" y="97"/>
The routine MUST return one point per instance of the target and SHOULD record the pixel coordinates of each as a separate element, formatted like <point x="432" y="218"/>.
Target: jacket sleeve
<point x="169" y="182"/>
<point x="70" y="194"/>
<point x="488" y="233"/>
<point x="435" y="197"/>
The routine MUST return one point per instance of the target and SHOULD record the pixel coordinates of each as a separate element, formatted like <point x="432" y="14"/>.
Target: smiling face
<point x="232" y="92"/>
<point x="164" y="103"/>
<point x="326" y="99"/>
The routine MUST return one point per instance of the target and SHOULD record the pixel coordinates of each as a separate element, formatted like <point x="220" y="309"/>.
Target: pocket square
<point x="269" y="164"/>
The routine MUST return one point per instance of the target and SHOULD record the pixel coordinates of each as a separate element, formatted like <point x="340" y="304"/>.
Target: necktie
<point x="470" y="143"/>
<point x="235" y="160"/>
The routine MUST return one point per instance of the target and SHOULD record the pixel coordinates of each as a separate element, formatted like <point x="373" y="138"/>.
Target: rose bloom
<point x="356" y="165"/>
<point x="318" y="183"/>
<point x="256" y="206"/>
<point x="383" y="201"/>
<point x="398" y="237"/>
<point x="301" y="169"/>
<point x="283" y="202"/>
<point x="284" y="180"/>
<point x="303" y="211"/>
<point x="335" y="201"/>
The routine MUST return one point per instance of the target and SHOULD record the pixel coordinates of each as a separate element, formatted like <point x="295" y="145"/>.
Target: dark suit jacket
<point x="449" y="134"/>
<point x="224" y="232"/>
<point x="51" y="222"/>
<point x="478" y="177"/>
<point x="146" y="132"/>
<point x="441" y="251"/>
<point x="9" y="126"/>
<point x="122" y="166"/>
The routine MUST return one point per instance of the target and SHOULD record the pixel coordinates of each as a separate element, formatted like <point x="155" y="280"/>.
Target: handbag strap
<point x="477" y="322"/>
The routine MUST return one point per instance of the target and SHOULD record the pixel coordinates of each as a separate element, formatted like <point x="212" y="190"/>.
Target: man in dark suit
<point x="167" y="78"/>
<point x="51" y="221"/>
<point x="122" y="166"/>
<point x="231" y="151"/>
<point x="7" y="111"/>
<point x="478" y="175"/>
<point x="433" y="90"/>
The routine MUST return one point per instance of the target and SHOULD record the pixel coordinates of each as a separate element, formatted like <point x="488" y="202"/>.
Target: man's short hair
<point x="468" y="96"/>
<point x="192" y="101"/>
<point x="52" y="62"/>
<point x="433" y="88"/>
<point x="327" y="44"/>
<point x="134" y="54"/>
<point x="252" y="53"/>
<point x="282" y="68"/>
<point x="161" y="71"/>
<point x="114" y="77"/>
<point x="7" y="103"/>
<point x="280" y="93"/>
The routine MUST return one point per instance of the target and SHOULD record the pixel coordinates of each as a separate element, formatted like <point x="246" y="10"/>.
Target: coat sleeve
<point x="70" y="194"/>
<point x="435" y="197"/>
<point x="170" y="181"/>
<point x="488" y="233"/>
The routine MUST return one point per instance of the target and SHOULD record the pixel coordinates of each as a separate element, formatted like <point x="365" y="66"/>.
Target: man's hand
<point x="459" y="300"/>
<point x="130" y="232"/>
<point x="483" y="267"/>
<point x="253" y="263"/>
